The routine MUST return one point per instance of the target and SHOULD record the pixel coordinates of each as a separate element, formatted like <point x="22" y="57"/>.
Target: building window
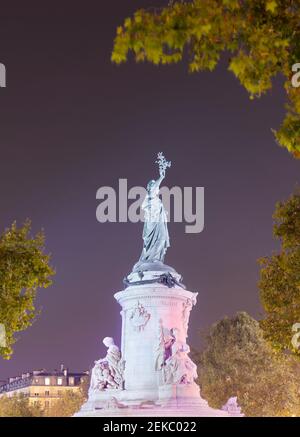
<point x="47" y="381"/>
<point x="47" y="404"/>
<point x="71" y="380"/>
<point x="47" y="393"/>
<point x="36" y="394"/>
<point x="59" y="381"/>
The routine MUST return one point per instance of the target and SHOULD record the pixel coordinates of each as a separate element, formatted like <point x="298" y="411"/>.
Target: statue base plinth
<point x="188" y="408"/>
<point x="136" y="396"/>
<point x="152" y="266"/>
<point x="144" y="308"/>
<point x="99" y="400"/>
<point x="155" y="315"/>
<point x="146" y="272"/>
<point x="180" y="396"/>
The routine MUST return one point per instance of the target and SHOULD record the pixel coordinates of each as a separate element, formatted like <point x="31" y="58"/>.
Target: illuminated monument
<point x="152" y="374"/>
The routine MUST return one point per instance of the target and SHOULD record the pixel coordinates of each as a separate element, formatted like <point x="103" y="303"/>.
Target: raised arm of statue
<point x="157" y="183"/>
<point x="163" y="164"/>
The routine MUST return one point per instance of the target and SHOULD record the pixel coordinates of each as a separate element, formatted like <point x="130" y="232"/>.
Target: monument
<point x="152" y="374"/>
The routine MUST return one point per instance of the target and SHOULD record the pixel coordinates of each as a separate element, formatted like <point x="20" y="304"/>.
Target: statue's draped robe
<point x="155" y="233"/>
<point x="180" y="369"/>
<point x="113" y="358"/>
<point x="114" y="364"/>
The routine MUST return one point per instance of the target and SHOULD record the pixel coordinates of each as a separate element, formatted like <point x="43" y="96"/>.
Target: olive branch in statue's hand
<point x="163" y="164"/>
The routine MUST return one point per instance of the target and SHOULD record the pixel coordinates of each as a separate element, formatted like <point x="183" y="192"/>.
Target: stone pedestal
<point x="158" y="376"/>
<point x="99" y="401"/>
<point x="144" y="308"/>
<point x="181" y="396"/>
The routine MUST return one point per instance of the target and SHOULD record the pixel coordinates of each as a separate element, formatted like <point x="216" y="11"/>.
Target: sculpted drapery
<point x="155" y="233"/>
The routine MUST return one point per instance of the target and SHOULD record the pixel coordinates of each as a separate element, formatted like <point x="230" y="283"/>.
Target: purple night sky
<point x="70" y="122"/>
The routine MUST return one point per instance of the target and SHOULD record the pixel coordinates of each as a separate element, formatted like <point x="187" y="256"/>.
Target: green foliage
<point x="18" y="406"/>
<point x="24" y="269"/>
<point x="67" y="405"/>
<point x="261" y="36"/>
<point x="280" y="277"/>
<point x="237" y="361"/>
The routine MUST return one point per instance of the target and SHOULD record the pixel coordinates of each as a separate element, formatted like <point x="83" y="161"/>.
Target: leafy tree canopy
<point x="237" y="361"/>
<point x="18" y="405"/>
<point x="280" y="278"/>
<point x="24" y="268"/>
<point x="261" y="36"/>
<point x="67" y="405"/>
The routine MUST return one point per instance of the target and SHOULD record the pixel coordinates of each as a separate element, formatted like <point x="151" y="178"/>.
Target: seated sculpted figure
<point x="179" y="368"/>
<point x="108" y="372"/>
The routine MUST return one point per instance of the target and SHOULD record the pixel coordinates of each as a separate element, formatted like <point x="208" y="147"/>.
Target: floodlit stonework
<point x="152" y="373"/>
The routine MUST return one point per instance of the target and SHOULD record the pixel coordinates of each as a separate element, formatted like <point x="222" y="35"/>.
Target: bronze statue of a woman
<point x="155" y="233"/>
